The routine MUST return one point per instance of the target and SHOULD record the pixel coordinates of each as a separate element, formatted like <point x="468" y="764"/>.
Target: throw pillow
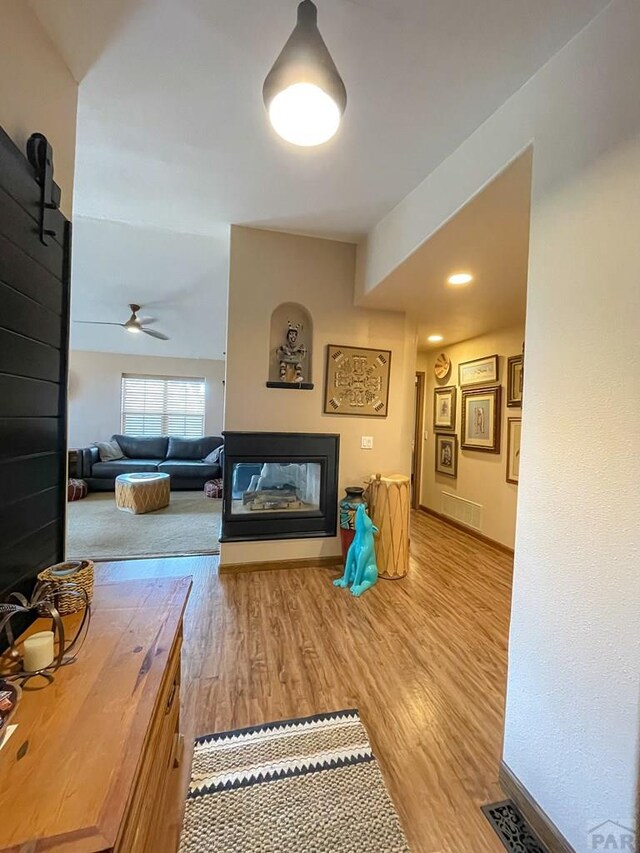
<point x="214" y="456"/>
<point x="109" y="451"/>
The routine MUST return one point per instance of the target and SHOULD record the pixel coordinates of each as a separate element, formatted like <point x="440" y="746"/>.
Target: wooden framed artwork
<point x="447" y="454"/>
<point x="357" y="381"/>
<point x="514" y="381"/>
<point x="480" y="371"/>
<point x="514" y="429"/>
<point x="481" y="416"/>
<point x="444" y="408"/>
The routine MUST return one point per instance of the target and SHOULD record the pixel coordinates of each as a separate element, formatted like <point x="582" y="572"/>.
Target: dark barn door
<point x="34" y="334"/>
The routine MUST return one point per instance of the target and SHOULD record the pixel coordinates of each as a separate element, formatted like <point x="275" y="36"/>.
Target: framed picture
<point x="481" y="419"/>
<point x="444" y="408"/>
<point x="447" y="454"/>
<point x="514" y="381"/>
<point x="481" y="371"/>
<point x="514" y="428"/>
<point x="357" y="381"/>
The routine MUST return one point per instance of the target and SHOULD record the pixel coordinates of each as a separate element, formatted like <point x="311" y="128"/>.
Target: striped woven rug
<point x="309" y="784"/>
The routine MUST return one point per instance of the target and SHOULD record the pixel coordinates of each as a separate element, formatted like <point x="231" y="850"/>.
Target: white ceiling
<point x="172" y="132"/>
<point x="489" y="238"/>
<point x="168" y="274"/>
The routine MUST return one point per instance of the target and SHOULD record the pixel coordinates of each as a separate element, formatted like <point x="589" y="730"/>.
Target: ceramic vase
<point x="353" y="498"/>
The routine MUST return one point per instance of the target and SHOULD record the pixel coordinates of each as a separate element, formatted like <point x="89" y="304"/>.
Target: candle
<point x="38" y="651"/>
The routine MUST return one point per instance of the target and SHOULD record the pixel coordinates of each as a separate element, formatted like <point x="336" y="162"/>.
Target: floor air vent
<point x="464" y="511"/>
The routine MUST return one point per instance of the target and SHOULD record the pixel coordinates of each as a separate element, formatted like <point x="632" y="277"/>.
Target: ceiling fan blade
<point x="155" y="334"/>
<point x="97" y="323"/>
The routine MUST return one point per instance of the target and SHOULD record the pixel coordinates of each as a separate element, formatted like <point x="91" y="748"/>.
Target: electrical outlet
<point x="367" y="442"/>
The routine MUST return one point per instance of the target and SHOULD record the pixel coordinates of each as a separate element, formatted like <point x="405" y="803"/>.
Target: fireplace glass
<point x="276" y="487"/>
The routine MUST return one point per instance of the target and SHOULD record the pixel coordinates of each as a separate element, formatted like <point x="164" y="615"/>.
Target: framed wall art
<point x="514" y="381"/>
<point x="444" y="408"/>
<point x="481" y="419"/>
<point x="357" y="381"/>
<point x="447" y="454"/>
<point x="480" y="371"/>
<point x="514" y="429"/>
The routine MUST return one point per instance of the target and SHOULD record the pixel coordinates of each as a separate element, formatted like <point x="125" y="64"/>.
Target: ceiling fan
<point x="133" y="324"/>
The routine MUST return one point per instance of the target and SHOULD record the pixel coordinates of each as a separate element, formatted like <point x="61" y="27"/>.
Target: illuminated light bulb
<point x="304" y="93"/>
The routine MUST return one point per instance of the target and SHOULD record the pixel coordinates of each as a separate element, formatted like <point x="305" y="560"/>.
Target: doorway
<point x="418" y="433"/>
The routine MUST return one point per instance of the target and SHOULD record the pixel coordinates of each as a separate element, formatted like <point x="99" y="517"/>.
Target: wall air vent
<point x="464" y="511"/>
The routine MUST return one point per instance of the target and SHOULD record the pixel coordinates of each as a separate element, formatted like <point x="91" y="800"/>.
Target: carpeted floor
<point x="97" y="530"/>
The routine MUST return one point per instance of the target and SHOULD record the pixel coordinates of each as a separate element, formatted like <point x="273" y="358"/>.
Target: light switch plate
<point x="367" y="442"/>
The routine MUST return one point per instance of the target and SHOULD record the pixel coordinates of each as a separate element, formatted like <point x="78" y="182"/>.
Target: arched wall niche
<point x="291" y="355"/>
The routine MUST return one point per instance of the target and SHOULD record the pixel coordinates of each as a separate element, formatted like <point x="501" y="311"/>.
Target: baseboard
<point x="277" y="565"/>
<point x="458" y="526"/>
<point x="539" y="822"/>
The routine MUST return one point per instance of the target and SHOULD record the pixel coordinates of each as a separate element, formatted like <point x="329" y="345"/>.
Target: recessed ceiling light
<point x="435" y="339"/>
<point x="460" y="278"/>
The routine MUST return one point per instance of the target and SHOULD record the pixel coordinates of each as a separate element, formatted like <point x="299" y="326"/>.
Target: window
<point x="162" y="405"/>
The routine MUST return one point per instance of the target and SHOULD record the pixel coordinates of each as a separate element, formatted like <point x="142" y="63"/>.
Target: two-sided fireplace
<point x="279" y="485"/>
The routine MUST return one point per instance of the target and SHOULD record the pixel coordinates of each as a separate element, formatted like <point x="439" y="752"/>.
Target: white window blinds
<point x="162" y="405"/>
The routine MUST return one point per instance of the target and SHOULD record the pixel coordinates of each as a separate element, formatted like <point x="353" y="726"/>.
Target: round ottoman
<point x="213" y="489"/>
<point x="76" y="489"/>
<point x="140" y="493"/>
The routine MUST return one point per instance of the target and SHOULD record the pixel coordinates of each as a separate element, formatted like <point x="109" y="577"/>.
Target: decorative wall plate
<point x="442" y="366"/>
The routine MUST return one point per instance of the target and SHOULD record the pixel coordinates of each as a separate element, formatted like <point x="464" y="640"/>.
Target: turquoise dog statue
<point x="360" y="568"/>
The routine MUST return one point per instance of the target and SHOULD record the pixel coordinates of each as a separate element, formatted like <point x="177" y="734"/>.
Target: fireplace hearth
<point x="279" y="485"/>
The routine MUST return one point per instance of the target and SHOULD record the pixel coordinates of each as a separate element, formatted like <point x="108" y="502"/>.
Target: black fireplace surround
<point x="279" y="485"/>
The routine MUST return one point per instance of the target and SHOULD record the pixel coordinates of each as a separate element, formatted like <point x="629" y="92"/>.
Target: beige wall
<point x="95" y="388"/>
<point x="37" y="91"/>
<point x="572" y="732"/>
<point x="481" y="476"/>
<point x="268" y="268"/>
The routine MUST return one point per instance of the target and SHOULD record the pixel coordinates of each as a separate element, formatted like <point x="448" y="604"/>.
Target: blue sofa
<point x="181" y="458"/>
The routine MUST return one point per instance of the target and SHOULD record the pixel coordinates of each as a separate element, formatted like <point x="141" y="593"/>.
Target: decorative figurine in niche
<point x="292" y="354"/>
<point x="360" y="569"/>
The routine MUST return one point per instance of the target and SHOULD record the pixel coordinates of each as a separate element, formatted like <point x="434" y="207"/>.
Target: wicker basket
<point x="62" y="578"/>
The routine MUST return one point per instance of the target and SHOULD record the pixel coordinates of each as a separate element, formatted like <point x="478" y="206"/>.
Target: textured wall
<point x="268" y="268"/>
<point x="481" y="476"/>
<point x="572" y="717"/>
<point x="95" y="382"/>
<point x="37" y="91"/>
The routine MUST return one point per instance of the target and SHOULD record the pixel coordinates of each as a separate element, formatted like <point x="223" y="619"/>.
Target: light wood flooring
<point x="424" y="660"/>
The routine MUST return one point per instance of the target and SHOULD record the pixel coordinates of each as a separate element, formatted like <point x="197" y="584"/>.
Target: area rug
<point x="310" y="784"/>
<point x="97" y="530"/>
<point x="511" y="828"/>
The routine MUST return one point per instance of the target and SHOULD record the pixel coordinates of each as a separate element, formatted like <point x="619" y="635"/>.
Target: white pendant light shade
<point x="304" y="93"/>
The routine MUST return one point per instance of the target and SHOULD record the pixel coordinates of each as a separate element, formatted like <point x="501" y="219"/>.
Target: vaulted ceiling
<point x="172" y="134"/>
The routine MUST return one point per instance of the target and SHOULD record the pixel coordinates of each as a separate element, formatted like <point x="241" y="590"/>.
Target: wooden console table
<point x="90" y="764"/>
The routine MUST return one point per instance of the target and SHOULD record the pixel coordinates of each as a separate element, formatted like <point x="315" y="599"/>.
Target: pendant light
<point x="304" y="93"/>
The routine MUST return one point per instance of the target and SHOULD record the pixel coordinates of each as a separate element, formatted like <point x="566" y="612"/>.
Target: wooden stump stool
<point x="140" y="493"/>
<point x="389" y="508"/>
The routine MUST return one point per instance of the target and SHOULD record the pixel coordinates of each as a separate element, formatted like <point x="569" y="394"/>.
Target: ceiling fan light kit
<point x="304" y="93"/>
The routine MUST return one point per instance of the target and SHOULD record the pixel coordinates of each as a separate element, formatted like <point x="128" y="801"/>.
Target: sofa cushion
<point x="137" y="447"/>
<point x="189" y="469"/>
<point x="192" y="448"/>
<point x="109" y="450"/>
<point x="215" y="455"/>
<point x="124" y="466"/>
